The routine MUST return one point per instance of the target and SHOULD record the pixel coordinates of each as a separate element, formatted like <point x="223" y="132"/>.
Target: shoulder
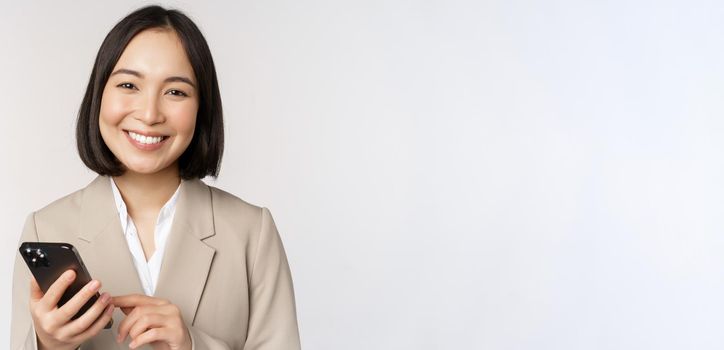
<point x="239" y="224"/>
<point x="230" y="211"/>
<point x="96" y="191"/>
<point x="62" y="210"/>
<point x="227" y="202"/>
<point x="61" y="218"/>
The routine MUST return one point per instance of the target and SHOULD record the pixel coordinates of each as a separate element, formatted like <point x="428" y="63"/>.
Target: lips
<point x="146" y="139"/>
<point x="146" y="142"/>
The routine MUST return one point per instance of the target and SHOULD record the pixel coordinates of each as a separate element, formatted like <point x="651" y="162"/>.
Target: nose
<point x="151" y="114"/>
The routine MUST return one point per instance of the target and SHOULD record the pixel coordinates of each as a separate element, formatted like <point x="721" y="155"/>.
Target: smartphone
<point x="47" y="261"/>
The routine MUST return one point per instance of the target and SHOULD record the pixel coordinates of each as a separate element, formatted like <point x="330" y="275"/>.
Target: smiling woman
<point x="183" y="264"/>
<point x="149" y="103"/>
<point x="153" y="68"/>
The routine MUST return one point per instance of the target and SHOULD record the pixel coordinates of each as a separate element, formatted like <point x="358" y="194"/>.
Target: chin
<point x="145" y="169"/>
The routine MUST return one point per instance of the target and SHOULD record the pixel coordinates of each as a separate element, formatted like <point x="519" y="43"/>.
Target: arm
<point x="272" y="318"/>
<point x="22" y="333"/>
<point x="53" y="325"/>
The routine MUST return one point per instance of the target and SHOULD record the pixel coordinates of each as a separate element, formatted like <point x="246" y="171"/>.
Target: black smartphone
<point x="47" y="261"/>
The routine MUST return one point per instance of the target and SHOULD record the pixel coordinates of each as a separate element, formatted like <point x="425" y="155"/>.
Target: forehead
<point x="156" y="53"/>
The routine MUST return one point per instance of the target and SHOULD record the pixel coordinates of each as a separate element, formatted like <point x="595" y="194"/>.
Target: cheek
<point x="185" y="119"/>
<point x="112" y="110"/>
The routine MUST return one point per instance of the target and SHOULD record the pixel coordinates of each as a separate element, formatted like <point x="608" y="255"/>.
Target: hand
<point x="152" y="321"/>
<point x="53" y="325"/>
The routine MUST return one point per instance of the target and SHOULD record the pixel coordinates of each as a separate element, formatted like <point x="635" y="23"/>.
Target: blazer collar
<point x="186" y="261"/>
<point x="194" y="210"/>
<point x="97" y="208"/>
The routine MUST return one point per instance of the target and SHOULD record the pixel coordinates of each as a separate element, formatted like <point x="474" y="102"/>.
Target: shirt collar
<point x="166" y="212"/>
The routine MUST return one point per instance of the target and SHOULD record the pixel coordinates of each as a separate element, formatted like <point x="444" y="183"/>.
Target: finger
<point x="125" y="326"/>
<point x="149" y="336"/>
<point x="72" y="306"/>
<point x="56" y="290"/>
<point x="138" y="313"/>
<point x="145" y="323"/>
<point x="97" y="326"/>
<point x="82" y="323"/>
<point x="133" y="300"/>
<point x="164" y="308"/>
<point x="35" y="292"/>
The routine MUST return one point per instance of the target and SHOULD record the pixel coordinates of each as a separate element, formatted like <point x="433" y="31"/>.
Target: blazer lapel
<point x="187" y="260"/>
<point x="101" y="242"/>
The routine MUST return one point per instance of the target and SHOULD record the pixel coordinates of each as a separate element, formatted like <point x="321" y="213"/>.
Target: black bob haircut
<point x="203" y="155"/>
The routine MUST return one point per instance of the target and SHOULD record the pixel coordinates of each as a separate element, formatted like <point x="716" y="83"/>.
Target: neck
<point x="147" y="193"/>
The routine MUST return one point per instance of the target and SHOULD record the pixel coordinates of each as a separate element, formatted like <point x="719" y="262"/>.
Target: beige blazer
<point x="224" y="267"/>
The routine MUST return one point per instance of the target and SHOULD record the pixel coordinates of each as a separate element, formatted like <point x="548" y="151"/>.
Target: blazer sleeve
<point x="22" y="332"/>
<point x="203" y="341"/>
<point x="272" y="314"/>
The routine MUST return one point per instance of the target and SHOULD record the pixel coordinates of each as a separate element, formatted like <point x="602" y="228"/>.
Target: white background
<point x="444" y="174"/>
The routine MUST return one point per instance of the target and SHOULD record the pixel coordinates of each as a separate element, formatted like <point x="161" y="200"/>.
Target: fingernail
<point x="69" y="275"/>
<point x="105" y="297"/>
<point x="93" y="284"/>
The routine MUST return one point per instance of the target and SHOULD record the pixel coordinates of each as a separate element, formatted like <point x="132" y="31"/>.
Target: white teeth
<point x="146" y="140"/>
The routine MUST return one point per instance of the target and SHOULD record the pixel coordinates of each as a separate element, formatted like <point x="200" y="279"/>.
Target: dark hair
<point x="203" y="155"/>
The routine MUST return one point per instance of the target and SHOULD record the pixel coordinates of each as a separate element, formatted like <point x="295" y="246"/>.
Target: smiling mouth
<point x="146" y="140"/>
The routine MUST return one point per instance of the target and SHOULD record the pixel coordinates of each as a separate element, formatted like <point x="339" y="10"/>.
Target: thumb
<point x="35" y="292"/>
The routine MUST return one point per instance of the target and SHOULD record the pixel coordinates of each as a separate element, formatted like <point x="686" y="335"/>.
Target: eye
<point x="126" y="86"/>
<point x="177" y="93"/>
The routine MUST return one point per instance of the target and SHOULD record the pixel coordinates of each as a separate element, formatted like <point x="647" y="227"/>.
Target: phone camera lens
<point x="37" y="257"/>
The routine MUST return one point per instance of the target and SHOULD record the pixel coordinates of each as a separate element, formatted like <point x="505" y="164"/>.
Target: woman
<point x="180" y="265"/>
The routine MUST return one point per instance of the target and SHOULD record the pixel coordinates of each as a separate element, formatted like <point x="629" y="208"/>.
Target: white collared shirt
<point x="148" y="271"/>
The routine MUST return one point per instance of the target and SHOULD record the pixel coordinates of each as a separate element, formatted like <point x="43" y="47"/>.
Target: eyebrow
<point x="167" y="80"/>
